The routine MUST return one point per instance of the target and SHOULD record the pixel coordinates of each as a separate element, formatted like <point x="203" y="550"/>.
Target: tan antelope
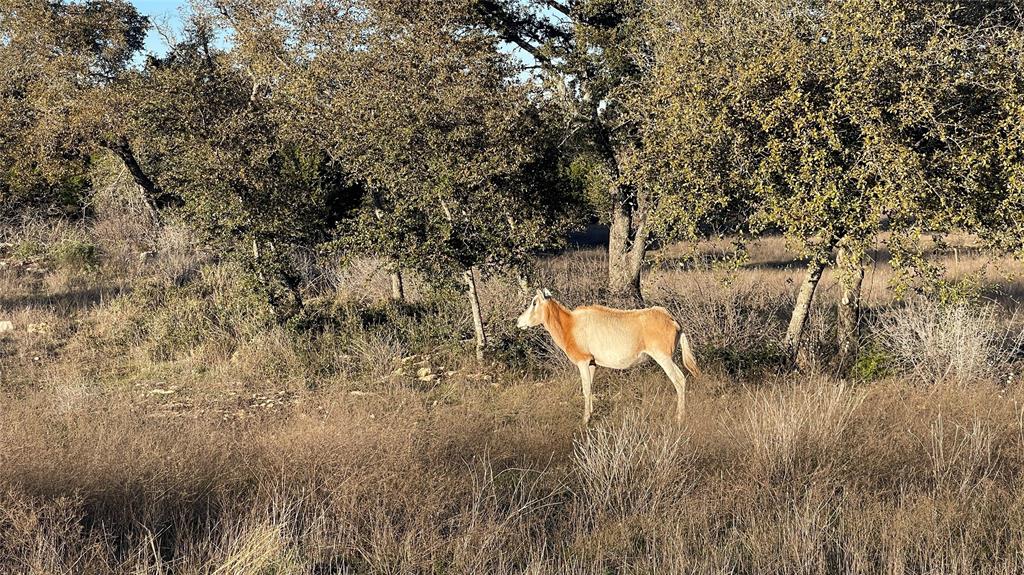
<point x="596" y="335"/>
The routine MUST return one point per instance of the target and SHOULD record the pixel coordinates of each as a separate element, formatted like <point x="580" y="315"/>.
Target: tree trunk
<point x="851" y="278"/>
<point x="397" y="282"/>
<point x="280" y="286"/>
<point x="627" y="245"/>
<point x="397" y="285"/>
<point x="155" y="198"/>
<point x="478" y="320"/>
<point x="797" y="322"/>
<point x="256" y="253"/>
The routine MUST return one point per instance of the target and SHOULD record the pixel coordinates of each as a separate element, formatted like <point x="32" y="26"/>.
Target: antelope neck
<point x="558" y="321"/>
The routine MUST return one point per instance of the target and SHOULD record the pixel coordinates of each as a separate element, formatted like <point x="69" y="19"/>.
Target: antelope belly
<point x="617" y="361"/>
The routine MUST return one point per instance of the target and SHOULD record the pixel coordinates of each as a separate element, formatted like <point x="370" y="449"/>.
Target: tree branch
<point x="560" y="6"/>
<point x="525" y="31"/>
<point x="157" y="199"/>
<point x="532" y="50"/>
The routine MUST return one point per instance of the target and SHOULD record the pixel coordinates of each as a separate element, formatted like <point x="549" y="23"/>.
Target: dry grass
<point x="785" y="430"/>
<point x="958" y="343"/>
<point x="160" y="423"/>
<point x="398" y="485"/>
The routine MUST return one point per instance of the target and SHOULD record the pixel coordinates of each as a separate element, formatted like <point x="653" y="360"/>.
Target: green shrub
<point x="963" y="291"/>
<point x="28" y="249"/>
<point x="749" y="359"/>
<point x="873" y="363"/>
<point x="438" y="322"/>
<point x="214" y="310"/>
<point x="75" y="256"/>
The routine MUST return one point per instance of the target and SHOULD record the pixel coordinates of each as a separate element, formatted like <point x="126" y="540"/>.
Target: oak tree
<point x="833" y="121"/>
<point x="457" y="160"/>
<point x="591" y="55"/>
<point x="59" y="59"/>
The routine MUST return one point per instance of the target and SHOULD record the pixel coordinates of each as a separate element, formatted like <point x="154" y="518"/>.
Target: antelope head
<point x="534" y="314"/>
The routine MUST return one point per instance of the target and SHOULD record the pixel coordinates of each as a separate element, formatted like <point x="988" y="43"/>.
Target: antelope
<point x="595" y="335"/>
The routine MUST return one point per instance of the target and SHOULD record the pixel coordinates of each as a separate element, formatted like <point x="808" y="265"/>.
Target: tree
<point x="211" y="136"/>
<point x="458" y="165"/>
<point x="59" y="57"/>
<point x="840" y="118"/>
<point x="591" y="54"/>
<point x="989" y="165"/>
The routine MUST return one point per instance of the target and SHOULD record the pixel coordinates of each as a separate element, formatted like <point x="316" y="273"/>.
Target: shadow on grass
<point x="71" y="300"/>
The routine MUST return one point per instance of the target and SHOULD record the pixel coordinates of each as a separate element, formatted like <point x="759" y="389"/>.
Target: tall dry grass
<point x="342" y="487"/>
<point x="162" y="423"/>
<point x="957" y="342"/>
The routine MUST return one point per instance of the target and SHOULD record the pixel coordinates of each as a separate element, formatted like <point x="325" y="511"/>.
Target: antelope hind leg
<point x="678" y="379"/>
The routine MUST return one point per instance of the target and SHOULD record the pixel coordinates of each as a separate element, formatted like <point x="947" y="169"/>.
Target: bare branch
<point x="560" y="6"/>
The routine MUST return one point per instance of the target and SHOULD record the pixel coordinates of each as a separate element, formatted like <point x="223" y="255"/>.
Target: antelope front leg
<point x="587" y="376"/>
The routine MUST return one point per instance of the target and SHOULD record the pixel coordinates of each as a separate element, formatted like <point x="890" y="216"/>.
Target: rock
<point x="6" y="326"/>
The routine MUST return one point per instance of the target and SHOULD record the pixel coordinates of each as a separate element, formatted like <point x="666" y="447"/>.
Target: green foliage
<point x="594" y="57"/>
<point x="962" y="291"/>
<point x="832" y="122"/>
<point x="829" y="123"/>
<point x="458" y="162"/>
<point x="76" y="256"/>
<point x="589" y="178"/>
<point x="872" y="364"/>
<point x="28" y="250"/>
<point x="211" y="137"/>
<point x="437" y="322"/>
<point x="58" y="57"/>
<point x="214" y="311"/>
<point x="409" y="132"/>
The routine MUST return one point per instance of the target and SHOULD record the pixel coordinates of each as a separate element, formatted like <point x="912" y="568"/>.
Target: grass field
<point x="155" y="421"/>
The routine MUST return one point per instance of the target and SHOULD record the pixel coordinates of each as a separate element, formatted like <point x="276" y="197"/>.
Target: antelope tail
<point x="689" y="361"/>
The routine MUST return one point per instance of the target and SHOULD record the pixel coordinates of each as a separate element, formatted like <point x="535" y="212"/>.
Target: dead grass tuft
<point x="958" y="343"/>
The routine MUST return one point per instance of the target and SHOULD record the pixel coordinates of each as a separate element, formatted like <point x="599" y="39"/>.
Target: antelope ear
<point x="540" y="292"/>
<point x="546" y="293"/>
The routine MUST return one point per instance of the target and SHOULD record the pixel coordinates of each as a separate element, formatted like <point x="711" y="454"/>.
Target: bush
<point x="795" y="434"/>
<point x="738" y="325"/>
<point x="28" y="250"/>
<point x="213" y="312"/>
<point x="873" y="363"/>
<point x="630" y="468"/>
<point x="75" y="256"/>
<point x="931" y="342"/>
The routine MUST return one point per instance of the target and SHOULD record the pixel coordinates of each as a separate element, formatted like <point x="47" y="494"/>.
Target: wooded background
<point x="462" y="137"/>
